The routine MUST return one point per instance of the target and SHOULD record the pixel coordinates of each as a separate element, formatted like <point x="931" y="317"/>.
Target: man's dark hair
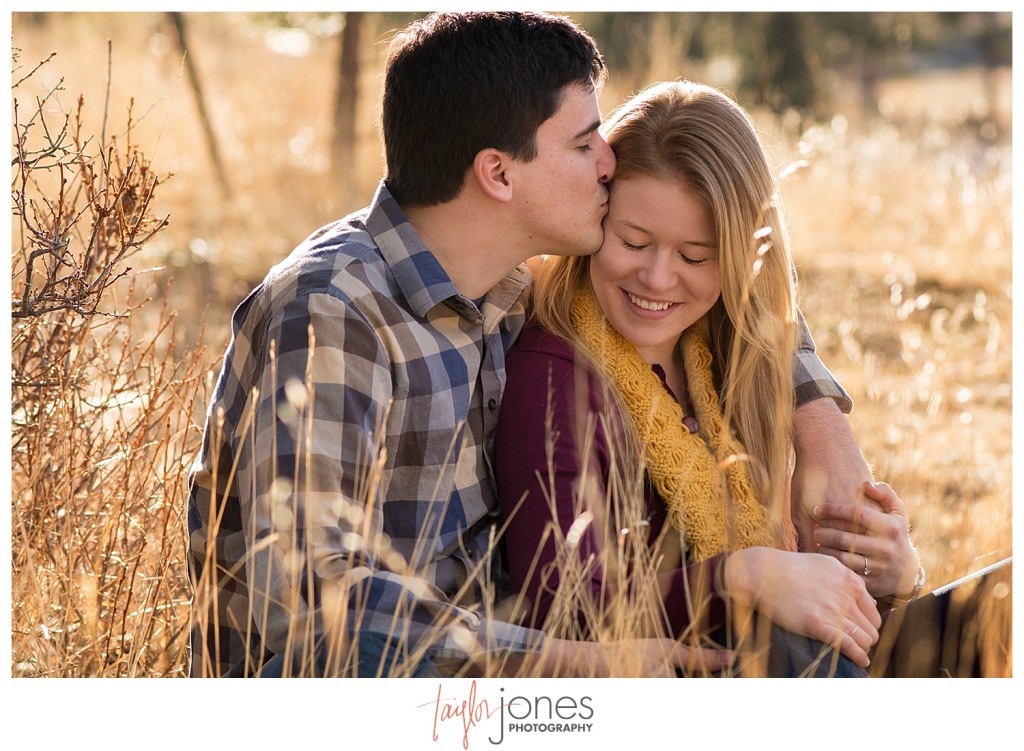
<point x="457" y="83"/>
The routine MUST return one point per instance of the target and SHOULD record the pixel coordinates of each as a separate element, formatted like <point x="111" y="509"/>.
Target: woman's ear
<point x="489" y="170"/>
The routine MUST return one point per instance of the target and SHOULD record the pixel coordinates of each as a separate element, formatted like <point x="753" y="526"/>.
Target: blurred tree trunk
<point x="783" y="77"/>
<point x="993" y="56"/>
<point x="795" y="79"/>
<point x="178" y="20"/>
<point x="343" y="142"/>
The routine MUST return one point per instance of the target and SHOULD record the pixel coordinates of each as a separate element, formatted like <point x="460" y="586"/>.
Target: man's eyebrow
<point x="588" y="130"/>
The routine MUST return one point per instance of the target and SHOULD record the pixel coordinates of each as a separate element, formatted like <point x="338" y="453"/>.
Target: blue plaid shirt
<point x="344" y="481"/>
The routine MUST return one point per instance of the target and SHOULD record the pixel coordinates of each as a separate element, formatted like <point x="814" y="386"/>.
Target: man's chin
<point x="583" y="248"/>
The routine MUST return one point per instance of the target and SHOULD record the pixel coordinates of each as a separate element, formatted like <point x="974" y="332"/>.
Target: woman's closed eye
<point x="690" y="261"/>
<point x="630" y="246"/>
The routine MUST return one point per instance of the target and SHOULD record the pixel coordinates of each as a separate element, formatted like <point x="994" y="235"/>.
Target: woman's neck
<point x="675" y="376"/>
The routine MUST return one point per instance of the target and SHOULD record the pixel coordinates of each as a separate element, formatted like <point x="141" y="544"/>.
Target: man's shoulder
<point x="348" y="232"/>
<point x="334" y="246"/>
<point x="340" y="259"/>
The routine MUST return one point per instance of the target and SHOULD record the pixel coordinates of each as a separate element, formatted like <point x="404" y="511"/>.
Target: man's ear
<point x="489" y="170"/>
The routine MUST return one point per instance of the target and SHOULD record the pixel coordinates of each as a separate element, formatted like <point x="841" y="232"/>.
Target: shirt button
<point x="492" y="404"/>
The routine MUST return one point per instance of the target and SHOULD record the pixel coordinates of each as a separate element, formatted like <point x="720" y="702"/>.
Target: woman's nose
<point x="657" y="272"/>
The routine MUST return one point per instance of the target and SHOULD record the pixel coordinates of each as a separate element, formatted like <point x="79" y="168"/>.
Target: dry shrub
<point x="101" y="413"/>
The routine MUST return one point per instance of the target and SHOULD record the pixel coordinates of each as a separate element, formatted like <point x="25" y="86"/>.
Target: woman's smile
<point x="647" y="305"/>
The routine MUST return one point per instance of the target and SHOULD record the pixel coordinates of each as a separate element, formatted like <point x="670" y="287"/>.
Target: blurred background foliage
<point x="269" y="120"/>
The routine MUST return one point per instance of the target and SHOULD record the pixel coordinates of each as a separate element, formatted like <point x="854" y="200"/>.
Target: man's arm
<point x="866" y="531"/>
<point x="829" y="464"/>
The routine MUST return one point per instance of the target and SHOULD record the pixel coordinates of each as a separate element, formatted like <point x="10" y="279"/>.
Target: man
<point x="342" y="514"/>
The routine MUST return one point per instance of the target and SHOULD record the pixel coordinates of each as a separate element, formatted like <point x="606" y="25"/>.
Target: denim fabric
<point x="793" y="656"/>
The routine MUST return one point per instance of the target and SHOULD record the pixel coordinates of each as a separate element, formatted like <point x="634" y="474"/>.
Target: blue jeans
<point x="793" y="656"/>
<point x="379" y="655"/>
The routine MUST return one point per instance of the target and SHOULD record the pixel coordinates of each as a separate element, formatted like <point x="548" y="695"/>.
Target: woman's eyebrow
<point x="633" y="225"/>
<point x="709" y="244"/>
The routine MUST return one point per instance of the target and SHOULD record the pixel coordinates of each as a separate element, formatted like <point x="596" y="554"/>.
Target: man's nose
<point x="606" y="162"/>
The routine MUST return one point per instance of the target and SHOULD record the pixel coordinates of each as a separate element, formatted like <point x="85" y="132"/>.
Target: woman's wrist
<point x="737" y="575"/>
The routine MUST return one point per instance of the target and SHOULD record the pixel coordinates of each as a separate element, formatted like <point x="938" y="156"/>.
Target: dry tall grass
<point x="901" y="229"/>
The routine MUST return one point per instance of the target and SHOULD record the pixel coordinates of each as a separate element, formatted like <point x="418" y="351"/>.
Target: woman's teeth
<point x="648" y="304"/>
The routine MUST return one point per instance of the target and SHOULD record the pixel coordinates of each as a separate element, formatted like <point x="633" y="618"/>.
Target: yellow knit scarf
<point x="682" y="467"/>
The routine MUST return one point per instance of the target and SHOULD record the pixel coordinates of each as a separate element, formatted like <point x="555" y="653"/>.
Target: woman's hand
<point x="872" y="543"/>
<point x="809" y="594"/>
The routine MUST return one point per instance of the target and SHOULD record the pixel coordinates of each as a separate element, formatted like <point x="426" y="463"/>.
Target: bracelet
<point x="896" y="602"/>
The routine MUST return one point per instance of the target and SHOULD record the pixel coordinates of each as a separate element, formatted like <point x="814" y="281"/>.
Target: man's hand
<point x="829" y="465"/>
<point x="870" y="542"/>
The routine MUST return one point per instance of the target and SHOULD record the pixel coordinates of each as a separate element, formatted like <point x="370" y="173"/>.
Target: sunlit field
<point x="901" y="228"/>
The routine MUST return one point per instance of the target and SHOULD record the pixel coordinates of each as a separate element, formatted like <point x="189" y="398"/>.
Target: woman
<point x="645" y="433"/>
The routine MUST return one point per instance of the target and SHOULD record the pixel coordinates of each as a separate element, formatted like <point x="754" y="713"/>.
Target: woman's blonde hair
<point x="698" y="136"/>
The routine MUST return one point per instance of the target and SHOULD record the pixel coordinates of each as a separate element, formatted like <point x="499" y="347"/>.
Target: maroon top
<point x="539" y="364"/>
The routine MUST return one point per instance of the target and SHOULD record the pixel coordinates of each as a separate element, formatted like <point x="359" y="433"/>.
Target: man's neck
<point x="474" y="251"/>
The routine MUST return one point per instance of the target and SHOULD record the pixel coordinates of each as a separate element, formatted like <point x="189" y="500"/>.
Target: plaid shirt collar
<point x="423" y="281"/>
<point x="419" y="274"/>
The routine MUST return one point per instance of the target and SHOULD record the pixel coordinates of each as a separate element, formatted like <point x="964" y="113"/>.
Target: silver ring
<point x="866" y="570"/>
<point x="856" y="628"/>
